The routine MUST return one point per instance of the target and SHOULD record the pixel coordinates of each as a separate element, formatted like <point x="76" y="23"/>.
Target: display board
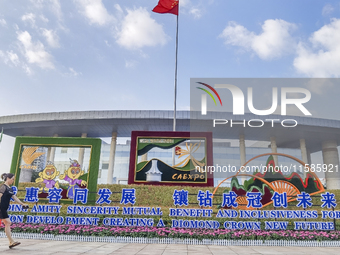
<point x="75" y="165"/>
<point x="171" y="158"/>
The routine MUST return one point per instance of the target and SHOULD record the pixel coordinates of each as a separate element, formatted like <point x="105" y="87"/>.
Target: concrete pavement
<point x="37" y="247"/>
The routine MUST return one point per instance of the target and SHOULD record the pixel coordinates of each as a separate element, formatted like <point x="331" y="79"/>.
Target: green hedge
<point x="161" y="196"/>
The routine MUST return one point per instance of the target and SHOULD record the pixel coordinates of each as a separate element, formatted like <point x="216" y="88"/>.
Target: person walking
<point x="6" y="193"/>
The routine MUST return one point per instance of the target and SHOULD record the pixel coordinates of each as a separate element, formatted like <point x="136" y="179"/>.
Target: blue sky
<point x="74" y="55"/>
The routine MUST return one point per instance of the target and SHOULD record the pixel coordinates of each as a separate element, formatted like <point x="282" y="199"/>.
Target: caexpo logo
<point x="239" y="104"/>
<point x="28" y="156"/>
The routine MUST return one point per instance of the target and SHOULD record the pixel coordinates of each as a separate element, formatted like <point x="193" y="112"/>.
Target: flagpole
<point x="175" y="90"/>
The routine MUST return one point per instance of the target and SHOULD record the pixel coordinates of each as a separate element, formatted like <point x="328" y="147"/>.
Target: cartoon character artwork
<point x="71" y="175"/>
<point x="47" y="177"/>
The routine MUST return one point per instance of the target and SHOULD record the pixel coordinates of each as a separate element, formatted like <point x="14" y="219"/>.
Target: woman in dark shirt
<point x="6" y="193"/>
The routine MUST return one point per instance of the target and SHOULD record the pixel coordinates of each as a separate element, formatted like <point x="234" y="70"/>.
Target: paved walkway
<point x="28" y="247"/>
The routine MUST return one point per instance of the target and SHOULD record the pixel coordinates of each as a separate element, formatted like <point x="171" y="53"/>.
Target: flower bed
<point x="154" y="232"/>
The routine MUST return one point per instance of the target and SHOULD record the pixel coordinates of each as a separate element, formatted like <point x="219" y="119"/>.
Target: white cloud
<point x="28" y="70"/>
<point x="10" y="58"/>
<point x="35" y="53"/>
<point x="29" y="18"/>
<point x="184" y="3"/>
<point x="196" y="9"/>
<point x="197" y="13"/>
<point x="107" y="43"/>
<point x="138" y="30"/>
<point x="37" y="3"/>
<point x="95" y="11"/>
<point x="53" y="5"/>
<point x="43" y="18"/>
<point x="274" y="41"/>
<point x="322" y="57"/>
<point x="237" y="35"/>
<point x="118" y="8"/>
<point x="74" y="73"/>
<point x="51" y="38"/>
<point x="327" y="9"/>
<point x="3" y="22"/>
<point x="56" y="8"/>
<point x="13" y="57"/>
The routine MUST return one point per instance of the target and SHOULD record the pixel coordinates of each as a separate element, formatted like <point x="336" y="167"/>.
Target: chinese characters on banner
<point x="181" y="198"/>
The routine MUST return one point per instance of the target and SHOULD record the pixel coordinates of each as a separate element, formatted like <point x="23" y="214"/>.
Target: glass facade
<point x="121" y="164"/>
<point x="63" y="155"/>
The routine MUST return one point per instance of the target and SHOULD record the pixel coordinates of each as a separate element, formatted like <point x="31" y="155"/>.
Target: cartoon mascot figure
<point x="47" y="176"/>
<point x="71" y="175"/>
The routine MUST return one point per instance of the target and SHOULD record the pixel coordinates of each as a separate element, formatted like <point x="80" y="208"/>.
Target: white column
<point x="242" y="150"/>
<point x="243" y="159"/>
<point x="309" y="158"/>
<point x="304" y="154"/>
<point x="48" y="153"/>
<point x="331" y="158"/>
<point x="51" y="151"/>
<point x="112" y="157"/>
<point x="274" y="149"/>
<point x="81" y="152"/>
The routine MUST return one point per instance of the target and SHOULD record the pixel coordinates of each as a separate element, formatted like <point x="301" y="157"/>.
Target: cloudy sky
<point x="74" y="55"/>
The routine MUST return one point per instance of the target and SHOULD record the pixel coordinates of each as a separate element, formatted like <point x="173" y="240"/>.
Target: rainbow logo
<point x="209" y="93"/>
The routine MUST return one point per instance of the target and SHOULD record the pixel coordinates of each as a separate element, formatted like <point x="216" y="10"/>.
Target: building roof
<point x="103" y="123"/>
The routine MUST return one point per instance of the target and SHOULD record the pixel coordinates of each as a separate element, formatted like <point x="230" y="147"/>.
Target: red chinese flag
<point x="167" y="6"/>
